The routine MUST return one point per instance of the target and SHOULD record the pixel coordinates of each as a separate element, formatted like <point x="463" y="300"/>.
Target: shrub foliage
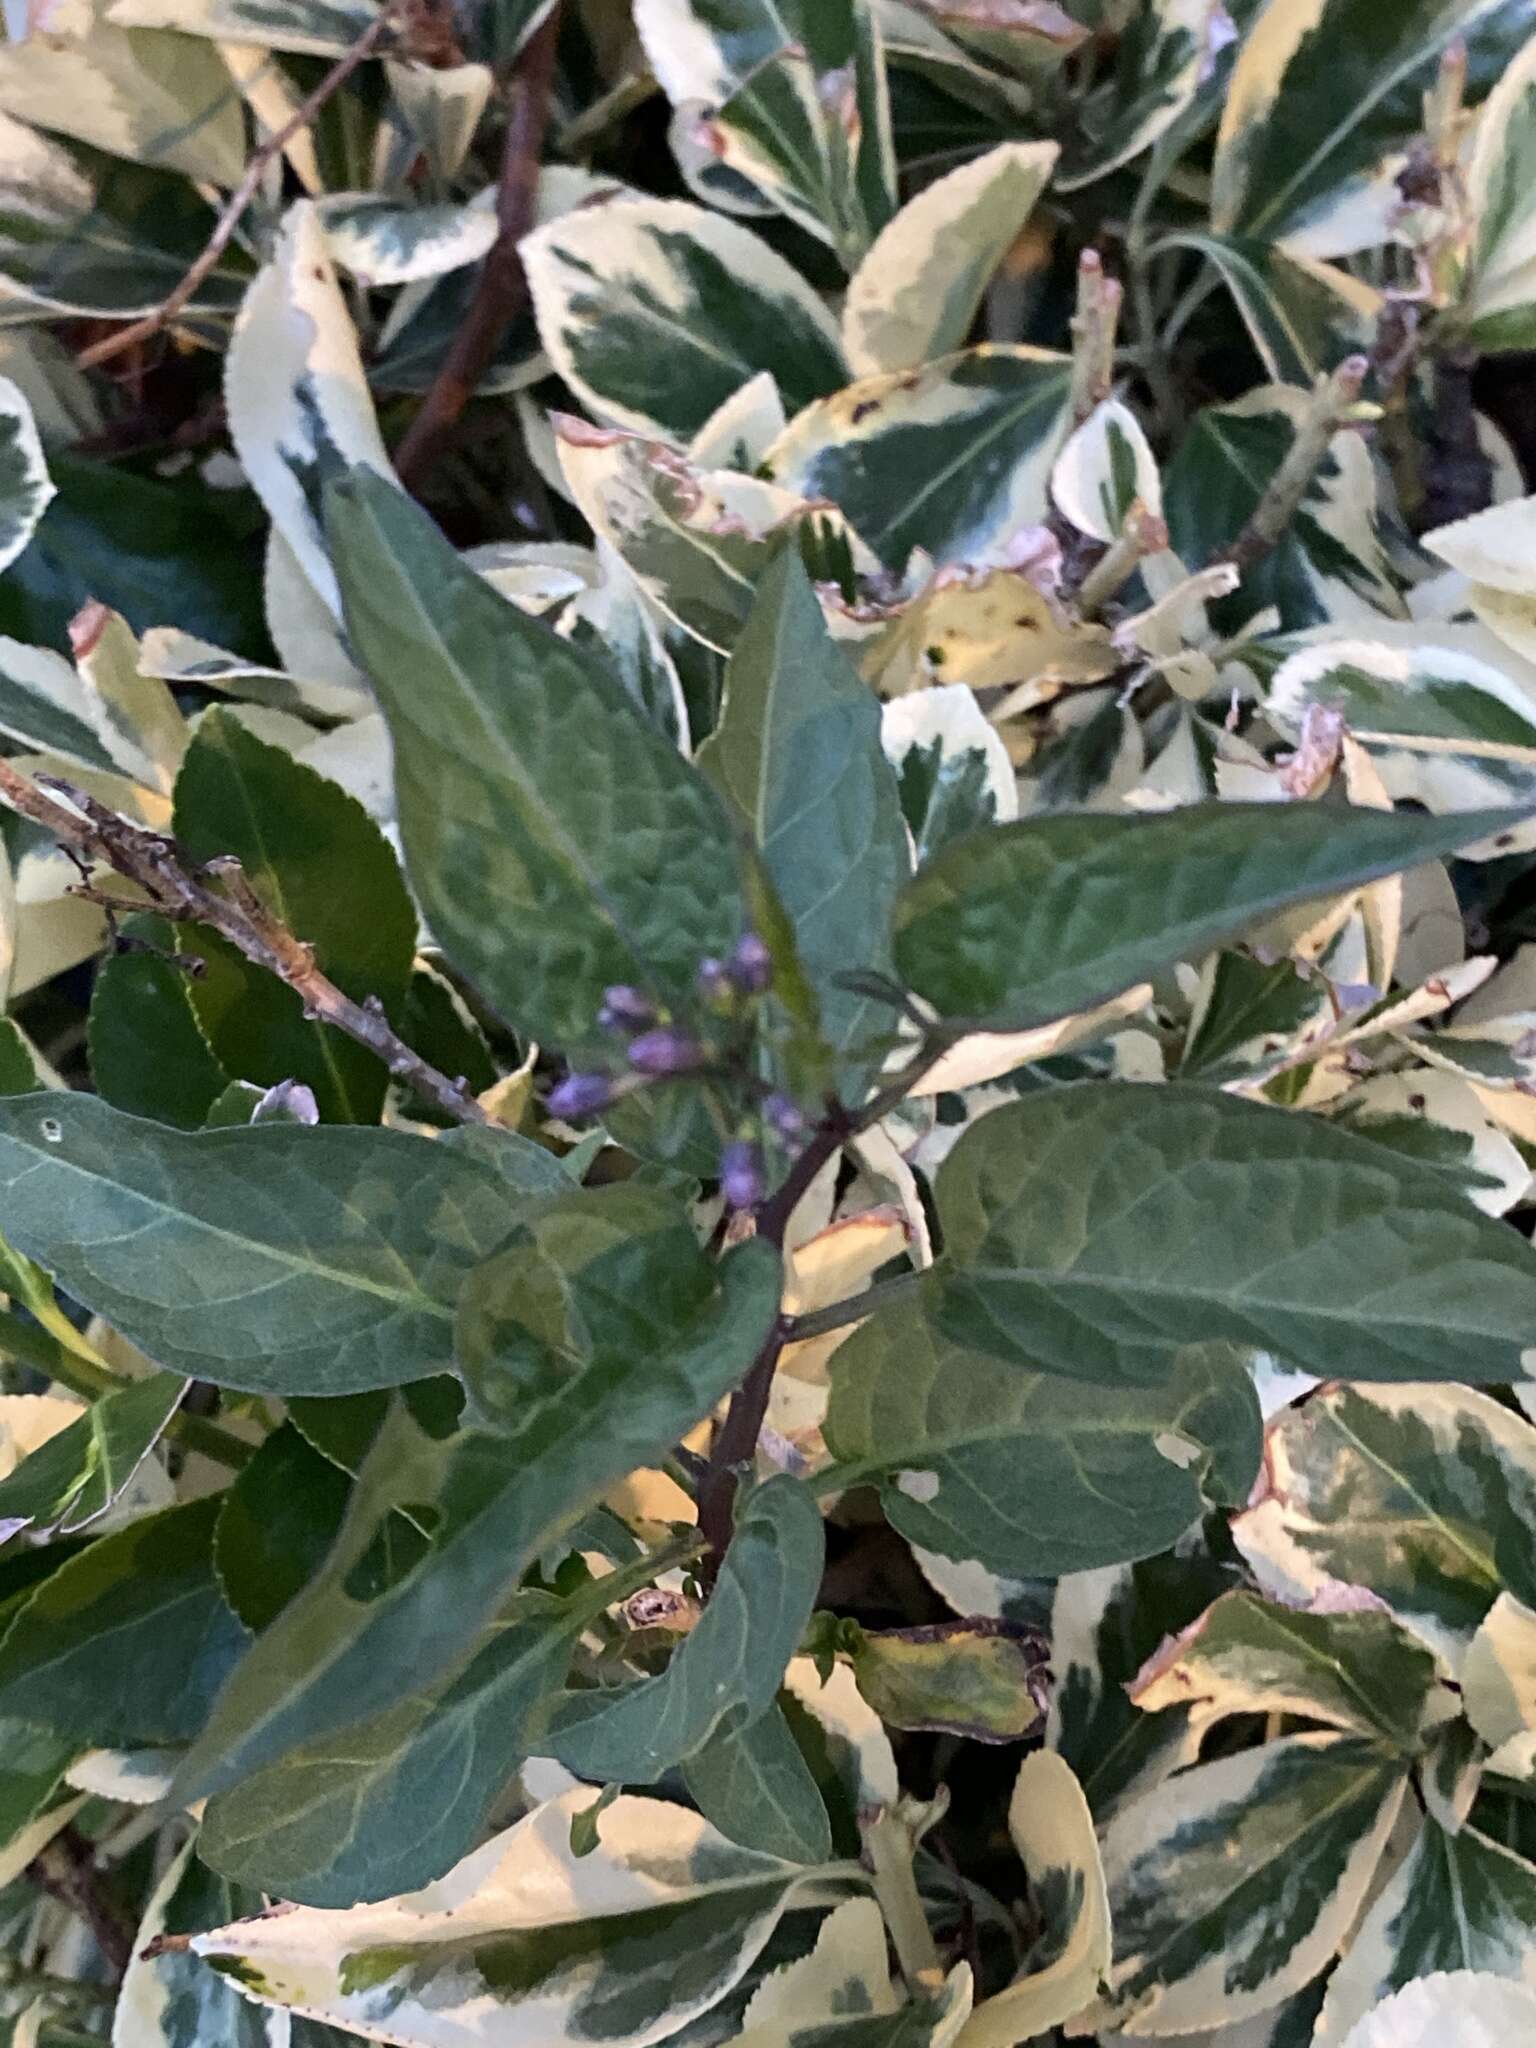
<point x="766" y="1087"/>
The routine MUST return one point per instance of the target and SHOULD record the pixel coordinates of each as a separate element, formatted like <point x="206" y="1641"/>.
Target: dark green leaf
<point x="1025" y="923"/>
<point x="347" y="1648"/>
<point x="1027" y="1474"/>
<point x="1094" y="1229"/>
<point x="727" y="1670"/>
<point x="149" y="1054"/>
<point x="273" y="1258"/>
<point x="277" y="1525"/>
<point x="754" y="1785"/>
<point x="557" y="842"/>
<point x="130" y="1641"/>
<point x="797" y="753"/>
<point x="317" y="860"/>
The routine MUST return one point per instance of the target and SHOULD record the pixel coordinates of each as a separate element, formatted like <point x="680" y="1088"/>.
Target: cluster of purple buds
<point x="664" y="1052"/>
<point x="626" y="1010"/>
<point x="785" y="1117"/>
<point x="748" y="972"/>
<point x="580" y="1095"/>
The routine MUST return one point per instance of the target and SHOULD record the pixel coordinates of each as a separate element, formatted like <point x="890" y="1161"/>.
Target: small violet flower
<point x="741" y="1175"/>
<point x="626" y="1009"/>
<point x="751" y="965"/>
<point x="580" y="1095"/>
<point x="663" y="1052"/>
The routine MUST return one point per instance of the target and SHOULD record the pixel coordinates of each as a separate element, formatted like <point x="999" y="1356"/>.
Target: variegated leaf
<point x="168" y="1998"/>
<point x="1105" y="469"/>
<point x="1499" y="304"/>
<point x="1424" y="1496"/>
<point x="299" y="409"/>
<point x="1052" y="1830"/>
<point x="1458" y="1902"/>
<point x="383" y="242"/>
<point x="916" y="293"/>
<point x="1499" y="1686"/>
<point x="1302" y="316"/>
<point x="155" y="98"/>
<point x="26" y="488"/>
<point x="1444" y="730"/>
<point x="1324" y="100"/>
<point x="318" y="28"/>
<point x="80" y="234"/>
<point x="1163" y="54"/>
<point x="952" y="770"/>
<point x="655" y="312"/>
<point x="1233" y="1884"/>
<point x="1245" y="1655"/>
<point x="952" y="458"/>
<point x="530" y="1941"/>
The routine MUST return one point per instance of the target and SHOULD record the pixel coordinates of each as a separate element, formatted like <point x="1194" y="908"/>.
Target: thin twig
<point x="1333" y="400"/>
<point x="736" y="1439"/>
<point x="66" y="1869"/>
<point x="151" y="324"/>
<point x="502" y="289"/>
<point x="218" y="894"/>
<point x="1094" y="326"/>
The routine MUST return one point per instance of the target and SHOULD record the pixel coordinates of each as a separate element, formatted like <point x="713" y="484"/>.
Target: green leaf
<point x="149" y="1054"/>
<point x="1248" y="1013"/>
<point x="949" y="458"/>
<point x="558" y="844"/>
<point x="390" y="1803"/>
<point x="276" y="1525"/>
<point x="31" y="1774"/>
<point x="1251" y="1656"/>
<point x="129" y="1642"/>
<point x="952" y="770"/>
<point x="656" y="312"/>
<point x="1458" y="1902"/>
<point x="272" y="1258"/>
<point x="347" y="1647"/>
<point x="727" y="1670"/>
<point x="797" y="754"/>
<point x="1424" y="1496"/>
<point x="1231" y="1886"/>
<point x="1024" y="1473"/>
<point x="1037" y="920"/>
<point x="630" y="1943"/>
<point x="982" y="1680"/>
<point x="76" y="1476"/>
<point x="754" y="1785"/>
<point x="320" y="863"/>
<point x="1323" y="94"/>
<point x="1094" y="1229"/>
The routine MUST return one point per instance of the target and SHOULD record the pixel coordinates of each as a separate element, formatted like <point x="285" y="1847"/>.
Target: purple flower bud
<point x="741" y="1175"/>
<point x="784" y="1117"/>
<point x="626" y="1009"/>
<point x="714" y="981"/>
<point x="580" y="1095"/>
<point x="663" y="1052"/>
<point x="751" y="965"/>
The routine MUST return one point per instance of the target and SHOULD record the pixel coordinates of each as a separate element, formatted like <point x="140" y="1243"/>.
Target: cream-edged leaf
<point x="656" y="312"/>
<point x="915" y="295"/>
<point x="299" y="408"/>
<point x="1499" y="304"/>
<point x="1052" y="1830"/>
<point x="316" y="28"/>
<point x="519" y="1942"/>
<point x="951" y="458"/>
<point x="380" y="241"/>
<point x="26" y="489"/>
<point x="1233" y="1884"/>
<point x="155" y="98"/>
<point x="1104" y="470"/>
<point x="1498" y="1680"/>
<point x="1423" y="1496"/>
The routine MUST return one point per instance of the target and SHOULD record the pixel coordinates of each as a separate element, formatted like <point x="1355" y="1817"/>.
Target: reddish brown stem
<point x="502" y="290"/>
